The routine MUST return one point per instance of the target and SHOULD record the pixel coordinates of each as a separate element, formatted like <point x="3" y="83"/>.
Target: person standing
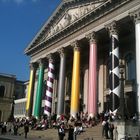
<point x="75" y="131"/>
<point x="70" y="133"/>
<point x="111" y="128"/>
<point x="106" y="128"/>
<point x="103" y="128"/>
<point x="61" y="131"/>
<point x="15" y="128"/>
<point x="26" y="129"/>
<point x="115" y="133"/>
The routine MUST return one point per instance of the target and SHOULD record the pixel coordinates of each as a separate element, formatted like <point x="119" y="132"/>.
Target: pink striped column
<point x="49" y="90"/>
<point x="92" y="96"/>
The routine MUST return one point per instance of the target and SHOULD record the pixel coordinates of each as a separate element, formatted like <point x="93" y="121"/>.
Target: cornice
<point x="92" y="16"/>
<point x="61" y="9"/>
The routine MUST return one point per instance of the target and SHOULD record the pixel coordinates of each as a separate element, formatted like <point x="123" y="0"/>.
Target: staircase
<point x="94" y="133"/>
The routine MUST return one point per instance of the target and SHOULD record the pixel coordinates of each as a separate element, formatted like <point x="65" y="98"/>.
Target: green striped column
<point x="38" y="101"/>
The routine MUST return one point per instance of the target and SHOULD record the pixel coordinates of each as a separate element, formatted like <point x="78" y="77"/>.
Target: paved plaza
<point x="94" y="133"/>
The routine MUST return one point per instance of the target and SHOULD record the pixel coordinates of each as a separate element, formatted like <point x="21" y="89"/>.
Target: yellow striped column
<point x="75" y="81"/>
<point x="29" y="103"/>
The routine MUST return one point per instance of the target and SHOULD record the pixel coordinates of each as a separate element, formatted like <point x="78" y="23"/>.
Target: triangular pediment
<point x="67" y="13"/>
<point x="70" y="16"/>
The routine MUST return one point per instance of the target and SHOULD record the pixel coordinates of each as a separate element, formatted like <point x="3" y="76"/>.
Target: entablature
<point x="72" y="21"/>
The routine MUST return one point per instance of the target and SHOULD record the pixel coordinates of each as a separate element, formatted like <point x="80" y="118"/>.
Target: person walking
<point x="75" y="131"/>
<point x="15" y="128"/>
<point x="103" y="128"/>
<point x="26" y="129"/>
<point x="61" y="132"/>
<point x="106" y="128"/>
<point x="70" y="132"/>
<point x="111" y="128"/>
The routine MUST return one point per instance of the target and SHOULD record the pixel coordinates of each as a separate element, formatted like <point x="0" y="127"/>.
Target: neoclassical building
<point x="76" y="59"/>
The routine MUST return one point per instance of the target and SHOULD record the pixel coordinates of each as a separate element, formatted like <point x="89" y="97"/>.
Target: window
<point x="2" y="90"/>
<point x="130" y="67"/>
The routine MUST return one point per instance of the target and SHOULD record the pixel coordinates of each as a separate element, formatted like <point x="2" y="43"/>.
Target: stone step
<point x="94" y="133"/>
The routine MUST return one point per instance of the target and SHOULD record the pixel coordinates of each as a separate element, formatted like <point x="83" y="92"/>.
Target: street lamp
<point x="121" y="110"/>
<point x="108" y="102"/>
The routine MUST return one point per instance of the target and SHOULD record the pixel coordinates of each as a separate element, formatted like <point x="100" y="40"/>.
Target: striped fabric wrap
<point x="114" y="85"/>
<point x="49" y="89"/>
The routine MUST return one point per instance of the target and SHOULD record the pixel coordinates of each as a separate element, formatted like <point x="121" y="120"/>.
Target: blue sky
<point x="20" y="20"/>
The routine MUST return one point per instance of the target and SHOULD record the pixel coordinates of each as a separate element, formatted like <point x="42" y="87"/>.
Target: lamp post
<point x="122" y="99"/>
<point x="107" y="102"/>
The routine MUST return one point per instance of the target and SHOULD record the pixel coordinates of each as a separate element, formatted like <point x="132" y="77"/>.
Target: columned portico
<point x="29" y="103"/>
<point x="61" y="86"/>
<point x="95" y="83"/>
<point x="38" y="100"/>
<point x="136" y="16"/>
<point x="114" y="85"/>
<point x="92" y="95"/>
<point x="75" y="89"/>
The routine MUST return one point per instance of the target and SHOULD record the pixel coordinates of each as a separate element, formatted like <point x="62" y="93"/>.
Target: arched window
<point x="2" y="90"/>
<point x="130" y="67"/>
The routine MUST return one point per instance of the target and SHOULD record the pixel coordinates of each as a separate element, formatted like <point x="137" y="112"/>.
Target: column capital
<point x="61" y="51"/>
<point x="41" y="62"/>
<point x="33" y="65"/>
<point x="50" y="57"/>
<point x="135" y="15"/>
<point x="112" y="28"/>
<point x="76" y="45"/>
<point x="92" y="37"/>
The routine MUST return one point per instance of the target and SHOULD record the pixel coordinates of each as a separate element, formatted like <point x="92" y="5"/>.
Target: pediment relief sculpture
<point x="70" y="16"/>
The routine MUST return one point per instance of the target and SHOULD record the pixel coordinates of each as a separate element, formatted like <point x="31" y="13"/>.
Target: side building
<point x="10" y="89"/>
<point x="20" y="99"/>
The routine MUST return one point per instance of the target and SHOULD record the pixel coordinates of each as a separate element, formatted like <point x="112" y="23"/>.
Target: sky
<point x="20" y="20"/>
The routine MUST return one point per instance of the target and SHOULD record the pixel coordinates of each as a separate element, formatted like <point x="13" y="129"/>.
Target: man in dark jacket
<point x="26" y="129"/>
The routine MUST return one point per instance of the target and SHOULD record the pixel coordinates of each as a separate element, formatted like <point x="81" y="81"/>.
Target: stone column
<point x="136" y="16"/>
<point x="92" y="94"/>
<point x="29" y="103"/>
<point x="114" y="85"/>
<point x="49" y="90"/>
<point x="38" y="101"/>
<point x="61" y="86"/>
<point x="75" y="91"/>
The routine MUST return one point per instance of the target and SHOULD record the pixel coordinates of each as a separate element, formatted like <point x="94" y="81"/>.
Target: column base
<point x="126" y="129"/>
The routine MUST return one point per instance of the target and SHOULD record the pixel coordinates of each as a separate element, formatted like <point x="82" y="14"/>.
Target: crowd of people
<point x="64" y="124"/>
<point x="12" y="127"/>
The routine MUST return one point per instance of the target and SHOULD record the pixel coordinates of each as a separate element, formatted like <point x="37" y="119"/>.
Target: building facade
<point x="7" y="86"/>
<point x="76" y="58"/>
<point x="10" y="90"/>
<point x="20" y="99"/>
